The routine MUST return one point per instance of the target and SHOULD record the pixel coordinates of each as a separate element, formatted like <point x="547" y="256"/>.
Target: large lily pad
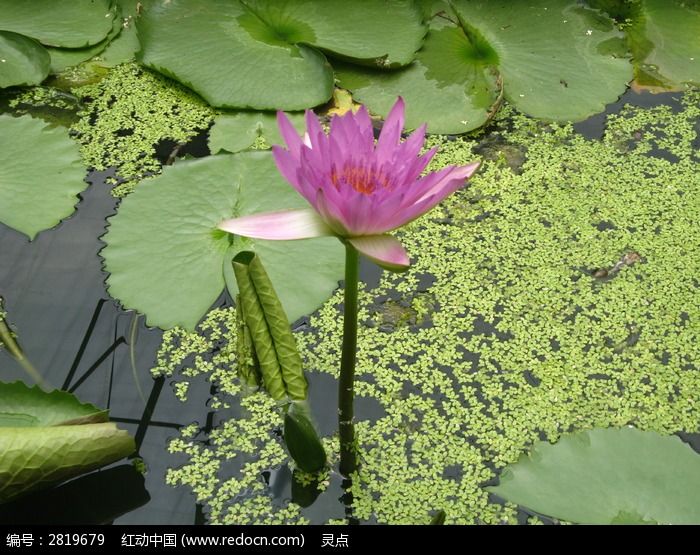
<point x="558" y="60"/>
<point x="663" y="37"/>
<point x="449" y="86"/>
<point x="229" y="67"/>
<point x="608" y="476"/>
<point x="124" y="46"/>
<point x="62" y="58"/>
<point x="237" y="131"/>
<point x="383" y="34"/>
<point x="167" y="260"/>
<point x="23" y="61"/>
<point x="40" y="177"/>
<point x="46" y="438"/>
<point x="22" y="406"/>
<point x="73" y="24"/>
<point x="665" y="41"/>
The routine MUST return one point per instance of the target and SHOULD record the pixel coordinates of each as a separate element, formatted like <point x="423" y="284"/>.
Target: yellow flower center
<point x="363" y="179"/>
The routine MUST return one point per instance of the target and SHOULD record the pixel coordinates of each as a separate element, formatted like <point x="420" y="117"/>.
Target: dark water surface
<point x="81" y="340"/>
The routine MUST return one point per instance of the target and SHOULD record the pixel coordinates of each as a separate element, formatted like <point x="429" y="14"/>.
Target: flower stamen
<point x="365" y="180"/>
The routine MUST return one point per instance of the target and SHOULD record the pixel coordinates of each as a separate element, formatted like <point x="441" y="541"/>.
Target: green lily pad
<point x="383" y="34"/>
<point x="605" y="476"/>
<point x="167" y="259"/>
<point x="23" y="61"/>
<point x="46" y="438"/>
<point x="665" y="41"/>
<point x="123" y="47"/>
<point x="673" y="28"/>
<point x="238" y="131"/>
<point x="230" y="68"/>
<point x="449" y="86"/>
<point x="62" y="58"/>
<point x="558" y="60"/>
<point x="23" y="406"/>
<point x="40" y="177"/>
<point x="73" y="24"/>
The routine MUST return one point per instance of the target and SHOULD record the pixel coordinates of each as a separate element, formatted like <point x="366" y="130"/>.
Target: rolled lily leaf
<point x="273" y="342"/>
<point x="46" y="438"/>
<point x="255" y="321"/>
<point x="265" y="340"/>
<point x="248" y="365"/>
<point x="302" y="440"/>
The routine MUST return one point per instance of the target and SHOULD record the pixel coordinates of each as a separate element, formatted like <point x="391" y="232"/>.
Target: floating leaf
<point x="167" y="259"/>
<point x="229" y="67"/>
<point x="22" y="406"/>
<point x="238" y="131"/>
<point x="273" y="342"/>
<point x="558" y="60"/>
<point x="665" y="39"/>
<point x="46" y="438"/>
<point x="605" y="476"/>
<point x="23" y="61"/>
<point x="383" y="34"/>
<point x="123" y="48"/>
<point x="73" y="24"/>
<point x="449" y="86"/>
<point x="62" y="58"/>
<point x="40" y="176"/>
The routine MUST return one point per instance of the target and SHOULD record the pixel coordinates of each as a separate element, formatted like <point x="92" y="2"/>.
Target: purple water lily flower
<point x="358" y="190"/>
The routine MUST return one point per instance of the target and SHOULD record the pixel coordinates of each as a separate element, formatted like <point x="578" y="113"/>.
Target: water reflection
<point x="97" y="498"/>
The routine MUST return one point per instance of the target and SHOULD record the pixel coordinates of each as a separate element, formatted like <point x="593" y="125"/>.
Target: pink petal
<point x="343" y="127"/>
<point x="391" y="132"/>
<point x="282" y="225"/>
<point x="384" y="250"/>
<point x="425" y="204"/>
<point x="461" y="172"/>
<point x="359" y="215"/>
<point x="430" y="184"/>
<point x="411" y="170"/>
<point x="412" y="145"/>
<point x="315" y="131"/>
<point x="289" y="134"/>
<point x="437" y="187"/>
<point x="364" y="125"/>
<point x="331" y="214"/>
<point x="288" y="165"/>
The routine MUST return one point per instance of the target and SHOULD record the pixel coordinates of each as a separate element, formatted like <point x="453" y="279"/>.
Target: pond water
<point x="83" y="341"/>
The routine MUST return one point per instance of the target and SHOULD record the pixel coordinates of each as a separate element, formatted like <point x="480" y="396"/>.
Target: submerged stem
<point x="346" y="383"/>
<point x="7" y="339"/>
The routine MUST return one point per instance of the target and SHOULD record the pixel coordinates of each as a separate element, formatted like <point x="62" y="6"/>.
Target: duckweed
<point x="516" y="339"/>
<point x="127" y="114"/>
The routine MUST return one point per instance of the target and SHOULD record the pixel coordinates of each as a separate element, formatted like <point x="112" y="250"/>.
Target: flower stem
<point x="346" y="383"/>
